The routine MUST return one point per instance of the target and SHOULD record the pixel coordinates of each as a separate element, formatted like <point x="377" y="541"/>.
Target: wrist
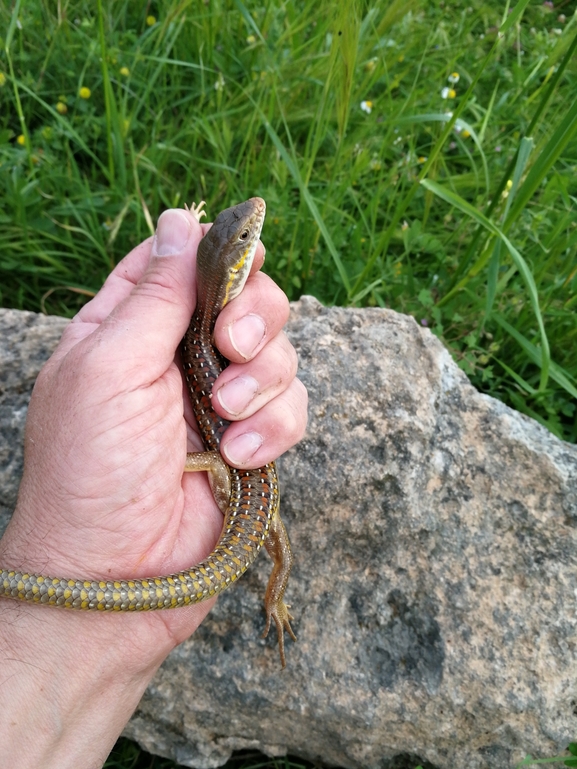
<point x="68" y="685"/>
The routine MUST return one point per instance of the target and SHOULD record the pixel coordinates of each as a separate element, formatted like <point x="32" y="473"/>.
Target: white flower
<point x="454" y="77"/>
<point x="367" y="106"/>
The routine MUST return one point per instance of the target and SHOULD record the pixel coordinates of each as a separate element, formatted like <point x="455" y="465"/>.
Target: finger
<point x="115" y="289"/>
<point x="251" y="320"/>
<point x="269" y="432"/>
<point x="140" y="335"/>
<point x="243" y="388"/>
<point x="118" y="285"/>
<point x="259" y="257"/>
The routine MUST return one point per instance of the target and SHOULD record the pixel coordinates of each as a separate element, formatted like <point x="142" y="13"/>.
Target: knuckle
<point x="288" y="358"/>
<point x="296" y="411"/>
<point x="302" y="406"/>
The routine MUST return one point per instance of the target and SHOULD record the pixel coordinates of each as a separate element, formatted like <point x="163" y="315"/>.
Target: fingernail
<point x="172" y="233"/>
<point x="240" y="449"/>
<point x="246" y="334"/>
<point x="234" y="396"/>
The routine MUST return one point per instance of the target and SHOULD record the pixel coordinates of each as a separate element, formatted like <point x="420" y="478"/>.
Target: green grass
<point x="459" y="211"/>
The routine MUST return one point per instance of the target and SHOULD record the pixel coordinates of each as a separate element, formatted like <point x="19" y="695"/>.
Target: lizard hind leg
<point x="278" y="547"/>
<point x="212" y="463"/>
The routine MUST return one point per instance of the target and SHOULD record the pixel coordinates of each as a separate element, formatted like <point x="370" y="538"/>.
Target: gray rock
<point x="26" y="342"/>
<point x="434" y="532"/>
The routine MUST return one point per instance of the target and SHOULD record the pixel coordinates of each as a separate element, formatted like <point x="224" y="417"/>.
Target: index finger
<point x="117" y="285"/>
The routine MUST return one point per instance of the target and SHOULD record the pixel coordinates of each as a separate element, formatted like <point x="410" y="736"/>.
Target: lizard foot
<point x="196" y="210"/>
<point x="280" y="615"/>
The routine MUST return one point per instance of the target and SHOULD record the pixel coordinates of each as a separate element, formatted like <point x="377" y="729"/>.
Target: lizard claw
<point x="196" y="210"/>
<point x="279" y="613"/>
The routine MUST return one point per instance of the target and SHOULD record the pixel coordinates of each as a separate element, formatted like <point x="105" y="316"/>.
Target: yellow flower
<point x="124" y="71"/>
<point x="85" y="93"/>
<point x="465" y="134"/>
<point x="2" y="79"/>
<point x="509" y="184"/>
<point x="61" y="108"/>
<point x="21" y="140"/>
<point x="150" y="21"/>
<point x="251" y="40"/>
<point x="422" y="159"/>
<point x="448" y="93"/>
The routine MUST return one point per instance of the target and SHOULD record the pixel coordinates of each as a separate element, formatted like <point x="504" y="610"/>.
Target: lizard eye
<point x="244" y="234"/>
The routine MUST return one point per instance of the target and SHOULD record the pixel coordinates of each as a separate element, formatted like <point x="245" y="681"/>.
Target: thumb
<point x="141" y="334"/>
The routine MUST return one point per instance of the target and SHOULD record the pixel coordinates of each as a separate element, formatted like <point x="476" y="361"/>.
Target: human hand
<point x="103" y="493"/>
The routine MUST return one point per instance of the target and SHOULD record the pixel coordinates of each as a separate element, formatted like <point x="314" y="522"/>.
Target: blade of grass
<point x="492" y="278"/>
<point x="113" y="132"/>
<point x="385" y="239"/>
<point x="515" y="376"/>
<point x="250" y="22"/>
<point x="312" y="206"/>
<point x="525" y="149"/>
<point x="19" y="110"/>
<point x="493" y="272"/>
<point x="565" y="131"/>
<point x="535" y="354"/>
<point x="460" y="124"/>
<point x="531" y="128"/>
<point x="67" y="127"/>
<point x="456" y="200"/>
<point x="542" y="166"/>
<point x="146" y="96"/>
<point x="514" y="16"/>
